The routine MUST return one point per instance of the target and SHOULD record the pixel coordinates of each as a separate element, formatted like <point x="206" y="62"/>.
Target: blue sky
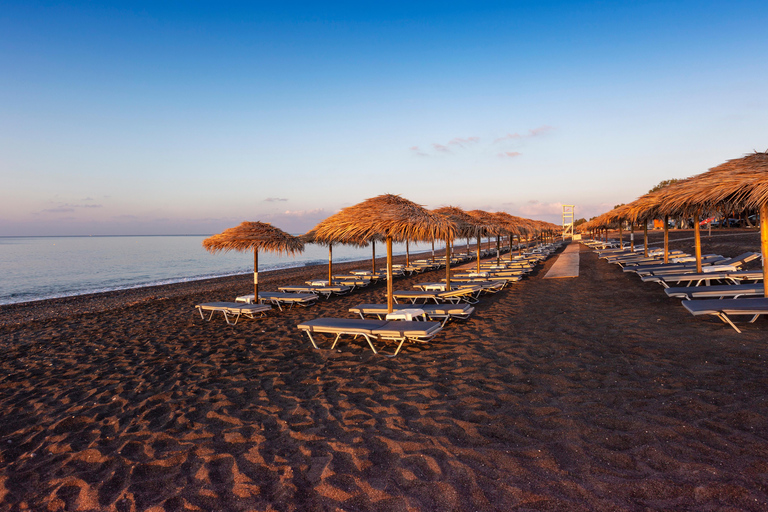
<point x="190" y="117"/>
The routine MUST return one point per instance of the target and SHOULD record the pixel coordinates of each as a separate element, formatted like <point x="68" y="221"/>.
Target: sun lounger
<point x="491" y="286"/>
<point x="733" y="291"/>
<point x="722" y="308"/>
<point x="444" y="312"/>
<point x="705" y="278"/>
<point x="398" y="331"/>
<point x="325" y="291"/>
<point x="712" y="261"/>
<point x="657" y="268"/>
<point x="233" y="310"/>
<point x="468" y="294"/>
<point x="280" y="299"/>
<point x="351" y="281"/>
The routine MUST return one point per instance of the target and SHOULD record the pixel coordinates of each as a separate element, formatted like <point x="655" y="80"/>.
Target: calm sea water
<point x="37" y="268"/>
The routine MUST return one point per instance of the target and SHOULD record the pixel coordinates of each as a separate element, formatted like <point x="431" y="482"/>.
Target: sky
<point x="190" y="117"/>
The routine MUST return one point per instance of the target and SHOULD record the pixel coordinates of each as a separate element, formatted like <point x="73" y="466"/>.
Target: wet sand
<point x="591" y="393"/>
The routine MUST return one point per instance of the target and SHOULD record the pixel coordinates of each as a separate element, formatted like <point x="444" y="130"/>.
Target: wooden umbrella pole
<point x="621" y="236"/>
<point x="666" y="239"/>
<point x="447" y="264"/>
<point x="632" y="236"/>
<point x="373" y="257"/>
<point x="478" y="254"/>
<point x="433" y="251"/>
<point x="407" y="255"/>
<point x="697" y="239"/>
<point x="764" y="244"/>
<point x="645" y="238"/>
<point x="390" y="289"/>
<point x="330" y="264"/>
<point x="498" y="249"/>
<point x="255" y="276"/>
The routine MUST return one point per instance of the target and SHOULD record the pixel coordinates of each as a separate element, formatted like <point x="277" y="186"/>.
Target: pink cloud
<point x="441" y="148"/>
<point x="304" y="213"/>
<point x="416" y="151"/>
<point x="540" y="130"/>
<point x="509" y="136"/>
<point x="533" y="132"/>
<point x="458" y="141"/>
<point x="509" y="154"/>
<point x="535" y="207"/>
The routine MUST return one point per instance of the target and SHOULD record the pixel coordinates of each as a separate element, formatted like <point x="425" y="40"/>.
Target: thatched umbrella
<point x="485" y="225"/>
<point x="254" y="236"/>
<point x="463" y="226"/>
<point x="310" y="237"/>
<point x="740" y="183"/>
<point x="512" y="225"/>
<point x="391" y="216"/>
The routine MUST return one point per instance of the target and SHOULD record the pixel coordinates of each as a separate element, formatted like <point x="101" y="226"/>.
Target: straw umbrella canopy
<point x="391" y="216"/>
<point x="464" y="226"/>
<point x="511" y="224"/>
<point x="618" y="215"/>
<point x="486" y="225"/>
<point x="310" y="237"/>
<point x="739" y="183"/>
<point x="254" y="236"/>
<point x="659" y="204"/>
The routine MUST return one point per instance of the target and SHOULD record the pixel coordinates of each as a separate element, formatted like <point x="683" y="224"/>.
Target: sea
<point x="40" y="268"/>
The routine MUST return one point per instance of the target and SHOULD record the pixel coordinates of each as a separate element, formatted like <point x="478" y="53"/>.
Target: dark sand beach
<point x="591" y="393"/>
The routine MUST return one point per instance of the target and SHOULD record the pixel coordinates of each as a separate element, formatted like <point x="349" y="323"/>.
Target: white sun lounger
<point x="468" y="294"/>
<point x="444" y="312"/>
<point x="233" y="310"/>
<point x="280" y="299"/>
<point x="399" y="331"/>
<point x="722" y="308"/>
<point x="733" y="291"/>
<point x="706" y="278"/>
<point x="488" y="285"/>
<point x="325" y="291"/>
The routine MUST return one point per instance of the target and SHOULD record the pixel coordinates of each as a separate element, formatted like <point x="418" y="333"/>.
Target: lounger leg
<point x="226" y="317"/>
<point x="754" y="318"/>
<point x="368" y="339"/>
<point x="311" y="339"/>
<point x="336" y="341"/>
<point x="727" y="320"/>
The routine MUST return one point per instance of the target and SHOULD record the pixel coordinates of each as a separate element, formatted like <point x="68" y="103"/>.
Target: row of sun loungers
<point x="721" y="289"/>
<point x="420" y="318"/>
<point x="403" y="323"/>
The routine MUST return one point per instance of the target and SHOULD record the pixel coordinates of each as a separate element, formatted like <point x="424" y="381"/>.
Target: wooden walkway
<point x="567" y="264"/>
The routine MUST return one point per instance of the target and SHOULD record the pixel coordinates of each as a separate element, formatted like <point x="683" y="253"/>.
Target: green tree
<point x="663" y="184"/>
<point x="579" y="222"/>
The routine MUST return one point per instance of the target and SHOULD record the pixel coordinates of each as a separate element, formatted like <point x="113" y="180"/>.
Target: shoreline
<point x="62" y="307"/>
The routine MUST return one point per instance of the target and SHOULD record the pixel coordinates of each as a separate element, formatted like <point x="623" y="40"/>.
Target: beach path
<point x="567" y="264"/>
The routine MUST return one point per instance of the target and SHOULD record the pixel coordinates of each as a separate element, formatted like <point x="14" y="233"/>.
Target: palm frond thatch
<point x="464" y="224"/>
<point x="511" y="224"/>
<point x="385" y="215"/>
<point x="739" y="184"/>
<point x="311" y="237"/>
<point x="250" y="236"/>
<point x="485" y="223"/>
